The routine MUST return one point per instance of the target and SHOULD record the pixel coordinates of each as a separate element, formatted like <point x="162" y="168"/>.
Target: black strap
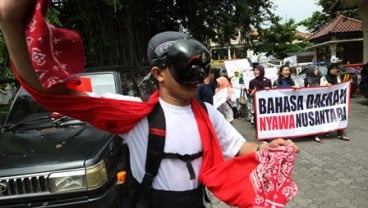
<point x="156" y="143"/>
<point x="187" y="159"/>
<point x="155" y="154"/>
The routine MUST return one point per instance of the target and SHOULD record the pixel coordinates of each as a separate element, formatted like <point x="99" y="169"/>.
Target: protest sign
<point x="291" y="113"/>
<point x="239" y="65"/>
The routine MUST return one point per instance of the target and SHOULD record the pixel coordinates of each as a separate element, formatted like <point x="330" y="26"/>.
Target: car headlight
<point x="90" y="178"/>
<point x="96" y="175"/>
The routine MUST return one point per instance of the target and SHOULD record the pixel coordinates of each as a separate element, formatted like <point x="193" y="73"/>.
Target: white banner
<point x="290" y="113"/>
<point x="239" y="65"/>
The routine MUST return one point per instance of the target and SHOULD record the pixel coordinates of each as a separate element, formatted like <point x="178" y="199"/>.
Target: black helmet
<point x="187" y="58"/>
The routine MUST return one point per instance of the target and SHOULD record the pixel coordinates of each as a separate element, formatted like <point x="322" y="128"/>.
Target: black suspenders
<point x="155" y="153"/>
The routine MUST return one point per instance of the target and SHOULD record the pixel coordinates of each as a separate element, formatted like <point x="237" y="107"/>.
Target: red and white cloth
<point x="57" y="54"/>
<point x="261" y="179"/>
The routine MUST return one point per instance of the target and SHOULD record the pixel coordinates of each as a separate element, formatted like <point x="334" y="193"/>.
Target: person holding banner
<point x="284" y="80"/>
<point x="260" y="82"/>
<point x="312" y="79"/>
<point x="299" y="82"/>
<point x="313" y="76"/>
<point x="332" y="77"/>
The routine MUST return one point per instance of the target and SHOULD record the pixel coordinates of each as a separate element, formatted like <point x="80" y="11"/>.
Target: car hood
<point x="50" y="149"/>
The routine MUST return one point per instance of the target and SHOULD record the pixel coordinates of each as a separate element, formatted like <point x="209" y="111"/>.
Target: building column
<point x="228" y="53"/>
<point x="315" y="54"/>
<point x="333" y="47"/>
<point x="363" y="12"/>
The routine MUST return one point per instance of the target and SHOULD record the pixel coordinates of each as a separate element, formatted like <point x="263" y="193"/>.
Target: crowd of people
<point x="199" y="134"/>
<point x="286" y="79"/>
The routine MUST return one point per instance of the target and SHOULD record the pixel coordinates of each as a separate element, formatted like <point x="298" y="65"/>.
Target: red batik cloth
<point x="255" y="180"/>
<point x="261" y="179"/>
<point x="57" y="54"/>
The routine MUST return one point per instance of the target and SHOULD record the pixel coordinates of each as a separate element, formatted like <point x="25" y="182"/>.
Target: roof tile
<point x="340" y="24"/>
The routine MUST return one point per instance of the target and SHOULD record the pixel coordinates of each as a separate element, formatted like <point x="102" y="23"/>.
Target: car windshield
<point x="22" y="107"/>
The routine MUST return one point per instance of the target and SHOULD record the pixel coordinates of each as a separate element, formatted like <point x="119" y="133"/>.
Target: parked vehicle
<point x="51" y="160"/>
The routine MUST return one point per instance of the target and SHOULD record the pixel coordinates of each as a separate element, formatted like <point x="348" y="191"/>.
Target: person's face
<point x="256" y="72"/>
<point x="236" y="74"/>
<point x="285" y="72"/>
<point x="334" y="71"/>
<point x="170" y="90"/>
<point x="316" y="71"/>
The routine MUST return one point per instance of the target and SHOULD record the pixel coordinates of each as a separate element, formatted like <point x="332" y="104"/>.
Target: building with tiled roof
<point x="342" y="37"/>
<point x="339" y="25"/>
<point x="362" y="9"/>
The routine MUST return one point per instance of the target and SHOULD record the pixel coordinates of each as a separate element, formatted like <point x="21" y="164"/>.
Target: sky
<point x="296" y="9"/>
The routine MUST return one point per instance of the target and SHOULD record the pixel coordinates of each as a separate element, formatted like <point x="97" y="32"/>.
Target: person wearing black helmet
<point x="179" y="63"/>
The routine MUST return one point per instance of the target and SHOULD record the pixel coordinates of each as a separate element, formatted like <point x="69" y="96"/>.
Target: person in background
<point x="226" y="108"/>
<point x="243" y="98"/>
<point x="312" y="79"/>
<point x="260" y="82"/>
<point x="313" y="76"/>
<point x="332" y="77"/>
<point x="235" y="84"/>
<point x="223" y="72"/>
<point x="363" y="85"/>
<point x="299" y="82"/>
<point x="206" y="90"/>
<point x="284" y="80"/>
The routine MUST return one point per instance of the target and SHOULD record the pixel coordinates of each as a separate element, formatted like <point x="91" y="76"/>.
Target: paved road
<point x="333" y="173"/>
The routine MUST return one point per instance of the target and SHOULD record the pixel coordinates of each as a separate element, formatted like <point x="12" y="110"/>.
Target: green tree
<point x="117" y="32"/>
<point x="319" y="19"/>
<point x="280" y="39"/>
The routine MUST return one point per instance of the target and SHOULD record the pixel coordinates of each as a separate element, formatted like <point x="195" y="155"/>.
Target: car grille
<point x="25" y="185"/>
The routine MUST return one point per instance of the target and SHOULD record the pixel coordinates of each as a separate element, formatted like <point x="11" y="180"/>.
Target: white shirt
<point x="236" y="86"/>
<point x="182" y="136"/>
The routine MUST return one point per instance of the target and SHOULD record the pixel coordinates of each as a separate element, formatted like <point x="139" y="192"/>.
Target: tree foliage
<point x="319" y="19"/>
<point x="280" y="39"/>
<point x="116" y="32"/>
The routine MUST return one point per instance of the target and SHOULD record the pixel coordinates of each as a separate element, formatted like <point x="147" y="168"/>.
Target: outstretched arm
<point x="13" y="19"/>
<point x="252" y="147"/>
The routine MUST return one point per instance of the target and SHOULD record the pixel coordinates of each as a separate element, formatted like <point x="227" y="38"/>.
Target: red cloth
<point x="57" y="54"/>
<point x="85" y="85"/>
<point x="253" y="180"/>
<point x="261" y="179"/>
